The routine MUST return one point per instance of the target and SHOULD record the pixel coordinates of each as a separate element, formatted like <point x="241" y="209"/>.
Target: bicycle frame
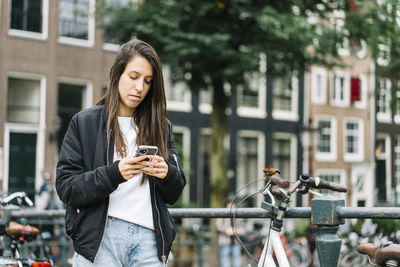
<point x="273" y="188"/>
<point x="274" y="243"/>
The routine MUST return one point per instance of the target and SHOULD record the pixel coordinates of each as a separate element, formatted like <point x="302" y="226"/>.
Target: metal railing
<point x="326" y="212"/>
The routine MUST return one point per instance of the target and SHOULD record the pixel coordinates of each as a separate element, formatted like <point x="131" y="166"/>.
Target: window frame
<point x="332" y="155"/>
<point x="87" y="95"/>
<point x="315" y="98"/>
<point x="34" y="128"/>
<point x="293" y="114"/>
<point x="185" y="131"/>
<point x="260" y="136"/>
<point x="336" y="90"/>
<point x="396" y="110"/>
<point x="175" y="105"/>
<point x="42" y="106"/>
<point x="89" y="43"/>
<point x="359" y="155"/>
<point x="362" y="103"/>
<point x="28" y="34"/>
<point x="387" y="115"/>
<point x="292" y="139"/>
<point x="396" y="161"/>
<point x="260" y="110"/>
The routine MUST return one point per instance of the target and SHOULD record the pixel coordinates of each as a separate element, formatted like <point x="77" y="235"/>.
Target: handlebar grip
<point x="279" y="182"/>
<point x="28" y="201"/>
<point x="320" y="183"/>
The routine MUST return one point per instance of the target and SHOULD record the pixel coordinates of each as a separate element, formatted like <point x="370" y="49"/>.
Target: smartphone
<point x="146" y="150"/>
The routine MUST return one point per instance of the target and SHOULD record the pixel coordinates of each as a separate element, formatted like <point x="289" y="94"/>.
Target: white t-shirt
<point x="131" y="200"/>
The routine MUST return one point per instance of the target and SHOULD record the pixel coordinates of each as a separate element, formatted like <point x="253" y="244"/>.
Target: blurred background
<point x="299" y="85"/>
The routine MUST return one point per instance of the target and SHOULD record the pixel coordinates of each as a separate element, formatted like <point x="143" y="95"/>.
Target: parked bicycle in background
<point x="14" y="251"/>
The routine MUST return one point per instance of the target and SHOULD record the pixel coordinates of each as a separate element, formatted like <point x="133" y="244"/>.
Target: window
<point x="285" y="97"/>
<point x="326" y="149"/>
<point x="248" y="96"/>
<point x="76" y="22"/>
<point x="72" y="97"/>
<point x="355" y="89"/>
<point x="282" y="151"/>
<point x="361" y="103"/>
<point x="23" y="100"/>
<point x="24" y="134"/>
<point x="397" y="105"/>
<point x="281" y="156"/>
<point x="250" y="151"/>
<point x="340" y="91"/>
<point x="353" y="139"/>
<point x="203" y="186"/>
<point x="251" y="97"/>
<point x="383" y="55"/>
<point x="205" y="101"/>
<point x="29" y="18"/>
<point x="178" y="95"/>
<point x="182" y="142"/>
<point x="318" y="85"/>
<point x="383" y="100"/>
<point x="396" y="171"/>
<point x="284" y="155"/>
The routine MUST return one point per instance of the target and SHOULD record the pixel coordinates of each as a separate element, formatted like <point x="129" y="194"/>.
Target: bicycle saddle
<point x="15" y="228"/>
<point x="380" y="254"/>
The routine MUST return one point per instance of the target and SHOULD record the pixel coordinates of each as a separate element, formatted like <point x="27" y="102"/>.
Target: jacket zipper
<point x="163" y="257"/>
<point x="108" y="148"/>
<point x="177" y="164"/>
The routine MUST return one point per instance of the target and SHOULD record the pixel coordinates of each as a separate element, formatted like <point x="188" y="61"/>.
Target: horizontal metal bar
<point x="299" y="212"/>
<point x="185" y="213"/>
<point x="369" y="213"/>
<point x="239" y="213"/>
<point x="28" y="213"/>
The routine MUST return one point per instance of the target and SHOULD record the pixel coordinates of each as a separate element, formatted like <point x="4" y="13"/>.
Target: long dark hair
<point x="150" y="114"/>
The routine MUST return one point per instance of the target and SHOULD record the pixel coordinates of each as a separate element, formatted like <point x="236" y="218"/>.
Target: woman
<point x="115" y="201"/>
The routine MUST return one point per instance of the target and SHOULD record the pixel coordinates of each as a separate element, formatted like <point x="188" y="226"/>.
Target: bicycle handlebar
<point x="278" y="181"/>
<point x="20" y="195"/>
<point x="319" y="183"/>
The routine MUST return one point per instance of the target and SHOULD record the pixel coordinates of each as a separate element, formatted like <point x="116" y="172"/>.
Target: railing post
<point x="324" y="213"/>
<point x="63" y="247"/>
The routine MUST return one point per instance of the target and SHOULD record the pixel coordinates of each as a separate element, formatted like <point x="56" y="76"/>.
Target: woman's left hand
<point x="155" y="166"/>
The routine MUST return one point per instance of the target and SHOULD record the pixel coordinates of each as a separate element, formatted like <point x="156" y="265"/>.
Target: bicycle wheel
<point x="299" y="257"/>
<point x="353" y="259"/>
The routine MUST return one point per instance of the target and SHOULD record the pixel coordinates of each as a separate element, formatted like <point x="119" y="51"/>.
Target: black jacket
<point x="86" y="175"/>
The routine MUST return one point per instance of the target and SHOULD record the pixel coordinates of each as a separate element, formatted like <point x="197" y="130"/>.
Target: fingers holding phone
<point x="130" y="166"/>
<point x="155" y="166"/>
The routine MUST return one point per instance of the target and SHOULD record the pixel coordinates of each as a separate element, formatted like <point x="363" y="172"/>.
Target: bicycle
<point x="386" y="255"/>
<point x="277" y="188"/>
<point x="15" y="234"/>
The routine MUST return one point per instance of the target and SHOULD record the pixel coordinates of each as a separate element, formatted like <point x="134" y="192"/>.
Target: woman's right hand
<point x="130" y="166"/>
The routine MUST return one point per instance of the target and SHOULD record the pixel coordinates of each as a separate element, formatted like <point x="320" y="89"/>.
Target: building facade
<point x="54" y="61"/>
<point x="341" y="108"/>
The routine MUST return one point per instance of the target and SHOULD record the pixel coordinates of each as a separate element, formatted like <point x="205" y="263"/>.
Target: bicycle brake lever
<point x="303" y="189"/>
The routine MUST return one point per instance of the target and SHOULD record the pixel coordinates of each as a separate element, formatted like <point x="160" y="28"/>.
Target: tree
<point x="208" y="44"/>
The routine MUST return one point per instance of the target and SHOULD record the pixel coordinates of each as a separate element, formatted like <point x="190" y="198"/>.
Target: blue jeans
<point x="124" y="244"/>
<point x="230" y="252"/>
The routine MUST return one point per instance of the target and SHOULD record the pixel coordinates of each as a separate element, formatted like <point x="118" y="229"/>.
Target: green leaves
<point x="225" y="37"/>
